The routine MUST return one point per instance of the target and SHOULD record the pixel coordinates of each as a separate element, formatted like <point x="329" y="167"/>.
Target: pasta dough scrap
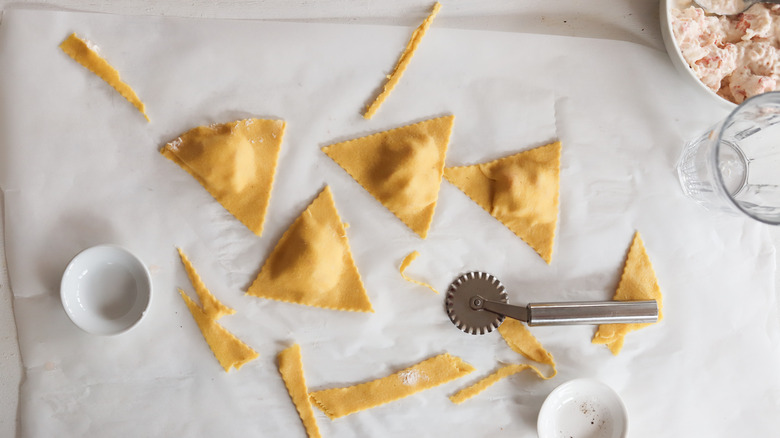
<point x="235" y="162"/>
<point x="520" y="190"/>
<point x="291" y="369"/>
<point x="405" y="264"/>
<point x="505" y="371"/>
<point x="403" y="62"/>
<point x="638" y="282"/>
<point x="519" y="339"/>
<point x="338" y="402"/>
<point x="312" y="264"/>
<point x="402" y="168"/>
<point x="228" y="349"/>
<point x="80" y="51"/>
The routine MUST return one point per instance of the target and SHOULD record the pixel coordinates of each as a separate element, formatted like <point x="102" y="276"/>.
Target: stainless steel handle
<point x="574" y="312"/>
<point x="592" y="312"/>
<point x="519" y="313"/>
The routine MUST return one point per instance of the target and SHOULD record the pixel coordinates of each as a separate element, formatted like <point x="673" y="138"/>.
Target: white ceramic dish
<point x="106" y="290"/>
<point x="583" y="408"/>
<point x="677" y="59"/>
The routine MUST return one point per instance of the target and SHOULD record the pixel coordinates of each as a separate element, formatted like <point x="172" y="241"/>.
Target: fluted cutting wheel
<point x="458" y="302"/>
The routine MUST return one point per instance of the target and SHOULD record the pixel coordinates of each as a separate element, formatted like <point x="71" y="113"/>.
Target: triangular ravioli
<point x="312" y="264"/>
<point x="402" y="168"/>
<point x="638" y="282"/>
<point x="228" y="349"/>
<point x="520" y="190"/>
<point x="235" y="162"/>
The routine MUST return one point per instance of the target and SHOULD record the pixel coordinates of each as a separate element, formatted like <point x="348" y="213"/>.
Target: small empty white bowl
<point x="583" y="408"/>
<point x="106" y="290"/>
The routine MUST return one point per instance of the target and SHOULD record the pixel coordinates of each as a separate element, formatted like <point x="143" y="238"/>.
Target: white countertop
<point x="634" y="21"/>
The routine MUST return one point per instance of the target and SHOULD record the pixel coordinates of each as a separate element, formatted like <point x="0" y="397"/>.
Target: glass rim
<point x="716" y="151"/>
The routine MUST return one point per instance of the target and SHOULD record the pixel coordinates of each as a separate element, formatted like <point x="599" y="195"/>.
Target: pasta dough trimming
<point x="520" y="340"/>
<point x="338" y="402"/>
<point x="82" y="53"/>
<point x="405" y="264"/>
<point x="402" y="63"/>
<point x="291" y="369"/>
<point x="228" y="349"/>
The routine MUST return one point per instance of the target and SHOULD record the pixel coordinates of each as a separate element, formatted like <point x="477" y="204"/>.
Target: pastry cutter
<point x="477" y="303"/>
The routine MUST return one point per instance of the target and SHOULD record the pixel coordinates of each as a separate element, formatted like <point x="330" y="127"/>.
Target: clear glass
<point x="735" y="166"/>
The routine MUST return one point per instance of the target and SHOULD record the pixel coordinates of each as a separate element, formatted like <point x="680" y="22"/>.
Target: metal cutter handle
<point x="577" y="312"/>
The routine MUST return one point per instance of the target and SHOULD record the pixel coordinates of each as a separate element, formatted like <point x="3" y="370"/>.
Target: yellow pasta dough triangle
<point x="338" y="402"/>
<point x="402" y="168"/>
<point x="312" y="264"/>
<point x="291" y="369"/>
<point x="520" y="190"/>
<point x="228" y="349"/>
<point x="80" y="51"/>
<point x="519" y="339"/>
<point x="638" y="282"/>
<point x="402" y="63"/>
<point x="235" y="162"/>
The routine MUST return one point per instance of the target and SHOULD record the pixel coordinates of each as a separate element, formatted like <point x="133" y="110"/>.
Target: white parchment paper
<point x="79" y="166"/>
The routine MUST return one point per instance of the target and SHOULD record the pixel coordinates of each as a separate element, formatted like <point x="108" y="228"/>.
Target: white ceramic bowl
<point x="677" y="59"/>
<point x="106" y="290"/>
<point x="583" y="408"/>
